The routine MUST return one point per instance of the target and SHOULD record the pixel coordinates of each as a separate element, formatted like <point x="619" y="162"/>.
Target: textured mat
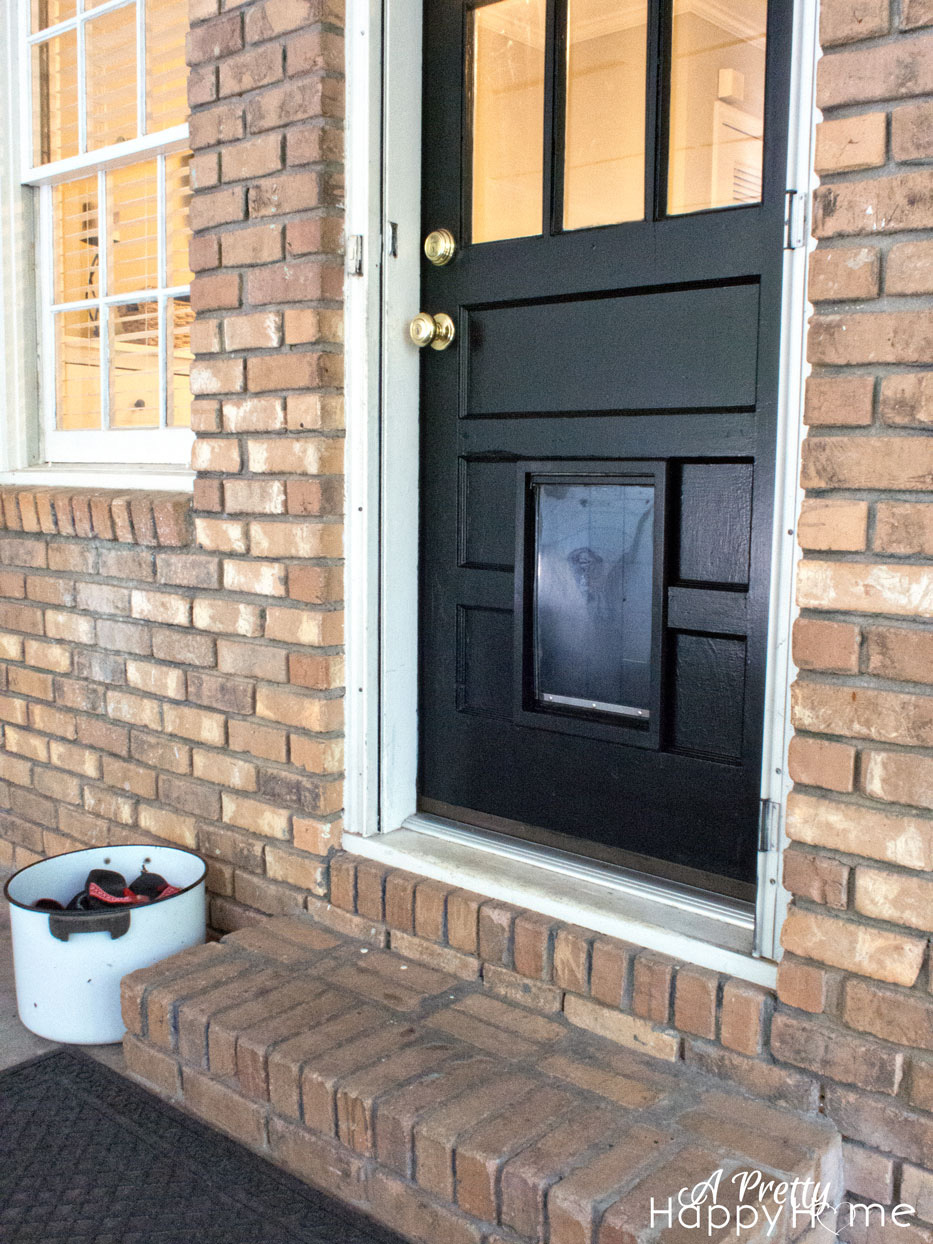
<point x="86" y="1155"/>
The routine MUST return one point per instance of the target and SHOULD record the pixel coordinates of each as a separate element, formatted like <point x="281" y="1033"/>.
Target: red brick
<point x="880" y="1122"/>
<point x="915" y="13"/>
<point x="573" y="1202"/>
<point x="308" y="370"/>
<point x="267" y="742"/>
<point x="152" y="1066"/>
<point x="847" y="21"/>
<point x="895" y="897"/>
<point x="315" y="51"/>
<point x="224" y="1108"/>
<point x="695" y="1001"/>
<point x="217" y="376"/>
<point x="802" y="985"/>
<point x="858" y="587"/>
<point x="869" y="1174"/>
<point x="527" y="1178"/>
<point x="330" y="1021"/>
<point x="901" y="654"/>
<point x="482" y="1154"/>
<point x="496" y="923"/>
<point x="907" y="400"/>
<point x="867" y="951"/>
<point x="819" y="878"/>
<point x="833" y="1052"/>
<point x="830" y="525"/>
<point x="257" y="245"/>
<point x="844" y="274"/>
<point x="851" y="143"/>
<point x="215" y="39"/>
<point x="896" y="70"/>
<point x="301" y="101"/>
<point x="903" y="528"/>
<point x="910" y="132"/>
<point x="251" y="69"/>
<point x="818" y="762"/>
<point x="418" y="1216"/>
<point x="886" y="716"/>
<point x="436" y="1133"/>
<point x="652" y="986"/>
<point x="572" y="951"/>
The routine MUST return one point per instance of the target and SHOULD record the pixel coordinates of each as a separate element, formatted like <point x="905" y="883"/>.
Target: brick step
<point x="445" y="1112"/>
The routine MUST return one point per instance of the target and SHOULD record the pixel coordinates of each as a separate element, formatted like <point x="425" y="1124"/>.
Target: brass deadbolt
<point x="440" y="247"/>
<point x="436" y="331"/>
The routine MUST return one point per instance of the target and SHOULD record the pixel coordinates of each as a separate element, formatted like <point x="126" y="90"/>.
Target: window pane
<point x="604" y="161"/>
<point x="179" y="318"/>
<point x="593" y="597"/>
<point x="75" y="228"/>
<point x="55" y="101"/>
<point x="134" y="365"/>
<point x="508" y="119"/>
<point x="45" y="13"/>
<point x="110" y="43"/>
<point x="166" y="73"/>
<point x="77" y="358"/>
<point x="178" y="197"/>
<point x="133" y="228"/>
<point x="717" y="105"/>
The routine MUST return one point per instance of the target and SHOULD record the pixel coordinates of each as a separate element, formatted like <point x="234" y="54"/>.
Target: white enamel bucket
<point x="68" y="965"/>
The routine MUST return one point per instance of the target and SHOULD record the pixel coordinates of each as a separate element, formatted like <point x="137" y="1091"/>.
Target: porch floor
<point x="445" y="1112"/>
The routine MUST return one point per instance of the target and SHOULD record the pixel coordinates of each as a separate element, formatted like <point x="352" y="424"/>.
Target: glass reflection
<point x="717" y="104"/>
<point x="508" y="119"/>
<point x="593" y="596"/>
<point x="604" y="158"/>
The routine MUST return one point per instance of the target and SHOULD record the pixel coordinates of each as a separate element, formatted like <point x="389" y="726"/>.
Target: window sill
<point x="82" y="505"/>
<point x="710" y="934"/>
<point x="98" y="476"/>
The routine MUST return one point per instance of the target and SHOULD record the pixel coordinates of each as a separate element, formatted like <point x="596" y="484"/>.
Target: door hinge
<point x="769" y="825"/>
<point x="355" y="254"/>
<point x="795" y="220"/>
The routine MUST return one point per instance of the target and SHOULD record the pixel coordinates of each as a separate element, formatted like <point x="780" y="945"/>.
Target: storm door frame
<point x="382" y="395"/>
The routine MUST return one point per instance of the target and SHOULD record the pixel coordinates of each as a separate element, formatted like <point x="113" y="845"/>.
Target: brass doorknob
<point x="436" y="331"/>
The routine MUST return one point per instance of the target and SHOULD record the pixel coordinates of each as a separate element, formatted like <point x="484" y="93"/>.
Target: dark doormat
<point x="87" y="1156"/>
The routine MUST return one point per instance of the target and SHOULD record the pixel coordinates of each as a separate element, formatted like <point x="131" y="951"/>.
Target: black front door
<point x="598" y="439"/>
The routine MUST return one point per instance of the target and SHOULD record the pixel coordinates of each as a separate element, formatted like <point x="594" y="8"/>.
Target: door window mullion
<point x="657" y="111"/>
<point x="555" y="111"/>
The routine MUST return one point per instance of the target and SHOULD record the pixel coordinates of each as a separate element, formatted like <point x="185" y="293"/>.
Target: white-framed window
<point x="105" y="147"/>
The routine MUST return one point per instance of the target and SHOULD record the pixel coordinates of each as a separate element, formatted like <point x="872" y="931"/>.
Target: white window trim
<point x="383" y="168"/>
<point x="119" y="458"/>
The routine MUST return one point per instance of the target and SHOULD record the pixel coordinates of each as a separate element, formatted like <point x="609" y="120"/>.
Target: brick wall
<point x="855" y="988"/>
<point x="177" y="673"/>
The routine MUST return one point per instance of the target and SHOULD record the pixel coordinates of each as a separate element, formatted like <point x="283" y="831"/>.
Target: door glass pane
<point x="593" y="597"/>
<point x="604" y="158"/>
<point x="507" y="119"/>
<point x="717" y="105"/>
<point x="110" y="43"/>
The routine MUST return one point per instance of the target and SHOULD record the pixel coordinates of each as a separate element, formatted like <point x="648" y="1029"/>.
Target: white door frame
<point x="382" y="387"/>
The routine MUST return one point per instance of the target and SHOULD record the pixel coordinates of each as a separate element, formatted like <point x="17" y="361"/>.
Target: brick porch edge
<point x="442" y="1111"/>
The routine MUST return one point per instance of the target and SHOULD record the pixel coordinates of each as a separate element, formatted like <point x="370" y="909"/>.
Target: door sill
<point x="688" y="925"/>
